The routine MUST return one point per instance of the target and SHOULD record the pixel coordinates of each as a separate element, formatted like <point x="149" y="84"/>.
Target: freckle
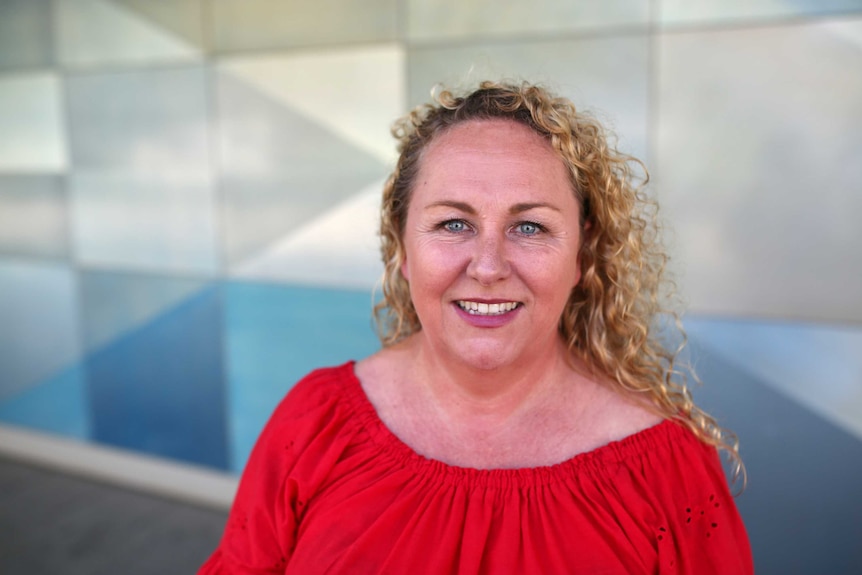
<point x="701" y="512"/>
<point x="715" y="524"/>
<point x="660" y="537"/>
<point x="711" y="497"/>
<point x="662" y="529"/>
<point x="688" y="520"/>
<point x="688" y="509"/>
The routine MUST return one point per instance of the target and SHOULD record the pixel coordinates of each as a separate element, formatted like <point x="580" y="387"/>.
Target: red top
<point x="329" y="489"/>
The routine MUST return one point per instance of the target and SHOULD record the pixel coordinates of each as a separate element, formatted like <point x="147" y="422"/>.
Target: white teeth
<point x="476" y="308"/>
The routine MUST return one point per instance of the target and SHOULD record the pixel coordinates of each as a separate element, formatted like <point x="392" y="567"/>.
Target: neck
<point x="470" y="392"/>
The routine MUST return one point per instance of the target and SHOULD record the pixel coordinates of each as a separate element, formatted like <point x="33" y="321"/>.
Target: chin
<point x="485" y="358"/>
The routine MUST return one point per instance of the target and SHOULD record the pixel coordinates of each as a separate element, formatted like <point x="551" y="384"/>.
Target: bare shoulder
<point x="619" y="414"/>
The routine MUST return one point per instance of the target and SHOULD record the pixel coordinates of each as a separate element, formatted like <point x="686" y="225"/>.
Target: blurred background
<point x="188" y="201"/>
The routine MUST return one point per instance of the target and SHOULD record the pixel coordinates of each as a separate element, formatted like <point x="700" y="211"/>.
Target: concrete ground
<point x="56" y="524"/>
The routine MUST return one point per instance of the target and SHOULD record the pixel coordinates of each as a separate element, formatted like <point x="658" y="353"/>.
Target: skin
<point x="493" y="220"/>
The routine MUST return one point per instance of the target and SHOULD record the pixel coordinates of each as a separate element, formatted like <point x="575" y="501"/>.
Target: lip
<point x="486" y="321"/>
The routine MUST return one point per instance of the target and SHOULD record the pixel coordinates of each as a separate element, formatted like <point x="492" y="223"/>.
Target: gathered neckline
<point x="600" y="460"/>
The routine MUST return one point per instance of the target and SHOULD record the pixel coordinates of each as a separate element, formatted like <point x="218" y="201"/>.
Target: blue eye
<point x="455" y="226"/>
<point x="528" y="228"/>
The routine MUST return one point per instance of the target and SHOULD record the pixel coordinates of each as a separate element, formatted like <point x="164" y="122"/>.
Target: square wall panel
<point x="25" y="34"/>
<point x="40" y="335"/>
<point x="103" y="32"/>
<point x="160" y="387"/>
<point x="151" y="121"/>
<point x="429" y="20"/>
<point x="114" y="304"/>
<point x="740" y="11"/>
<point x="244" y="25"/>
<point x="605" y="76"/>
<point x="184" y="19"/>
<point x="33" y="216"/>
<point x="759" y="171"/>
<point x="288" y="150"/>
<point x="32" y="123"/>
<point x="160" y="222"/>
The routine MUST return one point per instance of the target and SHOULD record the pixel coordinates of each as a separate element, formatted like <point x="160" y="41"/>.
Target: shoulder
<point x="697" y="523"/>
<point x="320" y="400"/>
<point x="323" y="386"/>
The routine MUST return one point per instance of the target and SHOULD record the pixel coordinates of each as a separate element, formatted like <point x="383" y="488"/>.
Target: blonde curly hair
<point x="614" y="318"/>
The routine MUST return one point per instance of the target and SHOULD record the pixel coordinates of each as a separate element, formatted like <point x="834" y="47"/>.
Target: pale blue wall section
<point x="276" y="334"/>
<point x="116" y="303"/>
<point x="40" y="329"/>
<point x="58" y="404"/>
<point x="160" y="389"/>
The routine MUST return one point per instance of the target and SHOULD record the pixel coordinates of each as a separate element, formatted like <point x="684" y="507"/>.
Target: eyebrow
<point x="467" y="208"/>
<point x="518" y="208"/>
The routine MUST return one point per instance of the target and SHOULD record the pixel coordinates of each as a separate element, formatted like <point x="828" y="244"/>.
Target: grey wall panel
<point x="279" y="168"/>
<point x="242" y="25"/>
<point x="25" y="34"/>
<point x="606" y="75"/>
<point x="162" y="222"/>
<point x="759" y="168"/>
<point x="33" y="216"/>
<point x="147" y="120"/>
<point x="98" y="33"/>
<point x="741" y="11"/>
<point x="434" y="20"/>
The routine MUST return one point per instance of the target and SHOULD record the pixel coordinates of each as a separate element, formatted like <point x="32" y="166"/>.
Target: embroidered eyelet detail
<point x="240" y="522"/>
<point x="697" y="518"/>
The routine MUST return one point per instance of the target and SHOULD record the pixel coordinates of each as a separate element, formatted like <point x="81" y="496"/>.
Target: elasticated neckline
<point x="602" y="460"/>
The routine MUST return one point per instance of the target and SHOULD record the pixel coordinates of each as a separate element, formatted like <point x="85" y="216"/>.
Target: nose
<point x="489" y="262"/>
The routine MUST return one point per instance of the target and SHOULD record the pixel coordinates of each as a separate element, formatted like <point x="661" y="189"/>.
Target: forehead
<point x="489" y="153"/>
<point x="495" y="136"/>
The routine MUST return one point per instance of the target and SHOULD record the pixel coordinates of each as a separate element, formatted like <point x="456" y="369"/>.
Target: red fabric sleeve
<point x="261" y="529"/>
<point x="701" y="531"/>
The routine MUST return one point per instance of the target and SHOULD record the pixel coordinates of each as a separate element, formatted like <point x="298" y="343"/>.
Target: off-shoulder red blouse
<point x="329" y="489"/>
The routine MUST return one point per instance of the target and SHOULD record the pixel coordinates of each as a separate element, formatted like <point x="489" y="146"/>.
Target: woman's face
<point x="491" y="244"/>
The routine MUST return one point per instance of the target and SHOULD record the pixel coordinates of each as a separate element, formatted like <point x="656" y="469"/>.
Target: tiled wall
<point x="188" y="191"/>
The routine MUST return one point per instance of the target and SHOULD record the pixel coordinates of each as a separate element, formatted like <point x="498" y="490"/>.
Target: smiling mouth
<point x="478" y="308"/>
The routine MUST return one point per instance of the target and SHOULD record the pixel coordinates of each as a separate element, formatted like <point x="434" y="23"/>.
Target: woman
<point x="521" y="416"/>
